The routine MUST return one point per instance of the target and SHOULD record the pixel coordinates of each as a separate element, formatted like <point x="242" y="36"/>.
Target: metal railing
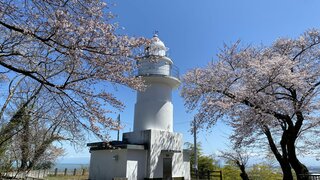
<point x="310" y="176"/>
<point x="155" y="69"/>
<point x="174" y="71"/>
<point x="207" y="175"/>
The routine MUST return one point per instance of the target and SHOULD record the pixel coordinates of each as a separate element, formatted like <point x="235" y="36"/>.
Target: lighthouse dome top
<point x="156" y="47"/>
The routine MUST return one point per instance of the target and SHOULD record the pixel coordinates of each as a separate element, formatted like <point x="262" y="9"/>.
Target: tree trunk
<point x="299" y="168"/>
<point x="282" y="159"/>
<point x="286" y="170"/>
<point x="243" y="174"/>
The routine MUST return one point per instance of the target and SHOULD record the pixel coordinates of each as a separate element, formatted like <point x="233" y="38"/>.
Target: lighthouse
<point x="152" y="150"/>
<point x="154" y="109"/>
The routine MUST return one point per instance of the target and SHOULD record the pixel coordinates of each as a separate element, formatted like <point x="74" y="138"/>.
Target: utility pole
<point x="117" y="128"/>
<point x="118" y="135"/>
<point x="195" y="148"/>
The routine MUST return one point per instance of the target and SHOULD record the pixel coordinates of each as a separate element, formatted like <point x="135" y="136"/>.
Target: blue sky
<point x="194" y="31"/>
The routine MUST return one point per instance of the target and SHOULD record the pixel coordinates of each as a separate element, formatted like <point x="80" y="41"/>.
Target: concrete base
<point x="136" y="163"/>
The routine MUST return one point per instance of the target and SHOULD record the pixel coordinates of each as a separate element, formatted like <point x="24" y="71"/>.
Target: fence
<point x="33" y="174"/>
<point x="310" y="176"/>
<point x="68" y="172"/>
<point x="41" y="174"/>
<point x="207" y="175"/>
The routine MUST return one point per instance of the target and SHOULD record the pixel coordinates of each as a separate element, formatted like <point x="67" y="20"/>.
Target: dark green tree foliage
<point x="31" y="143"/>
<point x="11" y="128"/>
<point x="35" y="142"/>
<point x="205" y="163"/>
<point x="25" y="144"/>
<point x="6" y="163"/>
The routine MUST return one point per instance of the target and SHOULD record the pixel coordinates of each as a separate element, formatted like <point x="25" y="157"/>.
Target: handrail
<point x="155" y="69"/>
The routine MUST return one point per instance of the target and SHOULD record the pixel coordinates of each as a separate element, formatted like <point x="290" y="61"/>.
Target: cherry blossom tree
<point x="70" y="54"/>
<point x="239" y="157"/>
<point x="267" y="94"/>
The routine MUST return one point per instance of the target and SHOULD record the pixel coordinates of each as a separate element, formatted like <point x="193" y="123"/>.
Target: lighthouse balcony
<point x="155" y="69"/>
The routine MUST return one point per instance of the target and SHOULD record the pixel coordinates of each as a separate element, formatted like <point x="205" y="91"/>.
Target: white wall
<point x="136" y="164"/>
<point x="103" y="166"/>
<point x="157" y="141"/>
<point x="162" y="140"/>
<point x="154" y="109"/>
<point x="132" y="170"/>
<point x="186" y="162"/>
<point x="131" y="164"/>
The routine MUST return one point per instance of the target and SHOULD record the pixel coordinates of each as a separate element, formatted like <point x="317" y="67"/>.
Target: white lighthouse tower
<point x="152" y="150"/>
<point x="154" y="109"/>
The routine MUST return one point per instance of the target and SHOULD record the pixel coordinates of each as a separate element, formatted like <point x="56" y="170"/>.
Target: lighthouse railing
<point x="152" y="69"/>
<point x="174" y="71"/>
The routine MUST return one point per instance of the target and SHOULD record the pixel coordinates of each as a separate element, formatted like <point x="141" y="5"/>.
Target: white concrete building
<point x="152" y="150"/>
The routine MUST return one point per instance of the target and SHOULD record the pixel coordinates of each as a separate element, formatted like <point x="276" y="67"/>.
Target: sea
<point x="314" y="169"/>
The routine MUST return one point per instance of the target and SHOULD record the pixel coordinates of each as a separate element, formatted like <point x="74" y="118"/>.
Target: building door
<point x="167" y="168"/>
